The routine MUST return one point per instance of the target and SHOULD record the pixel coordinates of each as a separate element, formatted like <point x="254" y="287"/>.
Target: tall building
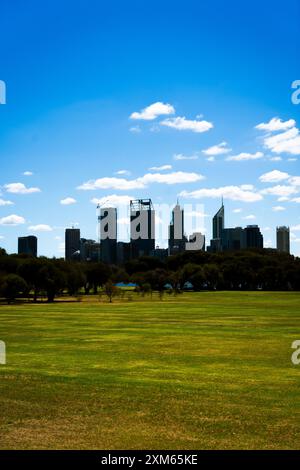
<point x="27" y="245"/>
<point x="123" y="252"/>
<point x="108" y="235"/>
<point x="72" y="243"/>
<point x="218" y="224"/>
<point x="254" y="238"/>
<point x="283" y="239"/>
<point x="142" y="227"/>
<point x="233" y="239"/>
<point x="89" y="250"/>
<point x="177" y="239"/>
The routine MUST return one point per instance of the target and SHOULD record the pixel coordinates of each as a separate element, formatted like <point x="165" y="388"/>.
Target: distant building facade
<point x="108" y="235"/>
<point x="72" y="243"/>
<point x="218" y="224"/>
<point x="89" y="250"/>
<point x="283" y="239"/>
<point x="254" y="238"/>
<point x="123" y="252"/>
<point x="27" y="245"/>
<point x="233" y="239"/>
<point x="142" y="227"/>
<point x="177" y="239"/>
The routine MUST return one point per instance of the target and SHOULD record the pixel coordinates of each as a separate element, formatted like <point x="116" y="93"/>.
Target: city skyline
<point x="108" y="111"/>
<point x="142" y="241"/>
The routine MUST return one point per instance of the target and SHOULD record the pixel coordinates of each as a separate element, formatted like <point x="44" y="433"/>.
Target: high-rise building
<point x="108" y="235"/>
<point x="218" y="224"/>
<point x="177" y="239"/>
<point x="72" y="243"/>
<point x="123" y="252"/>
<point x="27" y="245"/>
<point x="254" y="238"/>
<point x="142" y="227"/>
<point x="283" y="239"/>
<point x="233" y="239"/>
<point x="89" y="250"/>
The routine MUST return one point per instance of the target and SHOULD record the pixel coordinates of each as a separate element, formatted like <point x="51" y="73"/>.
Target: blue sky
<point x="78" y="77"/>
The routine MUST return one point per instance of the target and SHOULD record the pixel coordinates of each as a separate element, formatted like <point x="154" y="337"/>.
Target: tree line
<point x="25" y="276"/>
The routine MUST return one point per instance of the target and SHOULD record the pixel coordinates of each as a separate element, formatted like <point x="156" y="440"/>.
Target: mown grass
<point x="207" y="370"/>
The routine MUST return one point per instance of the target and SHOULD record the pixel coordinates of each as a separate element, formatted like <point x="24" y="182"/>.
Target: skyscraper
<point x="233" y="239"/>
<point x="108" y="235"/>
<point x="27" y="245"/>
<point x="218" y="224"/>
<point x="72" y="243"/>
<point x="254" y="238"/>
<point x="142" y="227"/>
<point x="283" y="239"/>
<point x="176" y="231"/>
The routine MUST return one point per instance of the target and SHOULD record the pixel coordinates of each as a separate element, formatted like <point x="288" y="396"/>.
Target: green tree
<point x="11" y="286"/>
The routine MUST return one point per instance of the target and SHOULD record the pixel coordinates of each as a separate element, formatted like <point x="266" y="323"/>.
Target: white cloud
<point x="296" y="199"/>
<point x="141" y="182"/>
<point x="296" y="228"/>
<point x="278" y="209"/>
<point x="4" y="202"/>
<point x="161" y="168"/>
<point x="247" y="187"/>
<point x="280" y="190"/>
<point x="283" y="199"/>
<point x="276" y="124"/>
<point x="183" y="124"/>
<point x="180" y="156"/>
<point x="123" y="221"/>
<point x="275" y="159"/>
<point x="237" y="211"/>
<point x="112" y="200"/>
<point x="20" y="188"/>
<point x="68" y="201"/>
<point x="285" y="142"/>
<point x="1" y="237"/>
<point x="234" y="193"/>
<point x="61" y="248"/>
<point x="249" y="217"/>
<point x="219" y="149"/>
<point x="40" y="228"/>
<point x="27" y="173"/>
<point x="295" y="180"/>
<point x="292" y="159"/>
<point x="273" y="176"/>
<point x="135" y="129"/>
<point x="210" y="159"/>
<point x="245" y="156"/>
<point x="123" y="172"/>
<point x="112" y="183"/>
<point x="153" y="111"/>
<point x="12" y="220"/>
<point x="171" y="178"/>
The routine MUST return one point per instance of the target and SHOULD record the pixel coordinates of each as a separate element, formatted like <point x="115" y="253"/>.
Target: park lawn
<point x="208" y="370"/>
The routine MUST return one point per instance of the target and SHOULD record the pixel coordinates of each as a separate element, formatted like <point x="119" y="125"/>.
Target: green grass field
<point x="207" y="370"/>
